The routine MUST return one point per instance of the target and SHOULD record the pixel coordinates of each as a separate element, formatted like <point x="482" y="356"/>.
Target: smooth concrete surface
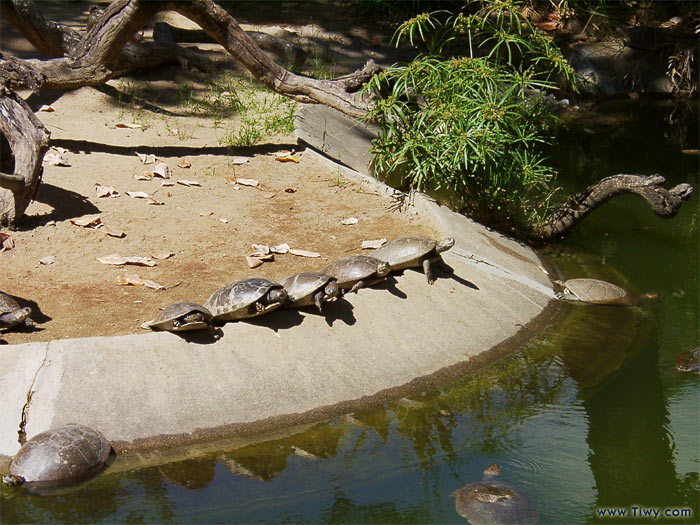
<point x="143" y="388"/>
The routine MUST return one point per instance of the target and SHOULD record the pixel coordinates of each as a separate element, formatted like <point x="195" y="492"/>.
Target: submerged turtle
<point x="598" y="292"/>
<point x="11" y="314"/>
<point x="409" y="252"/>
<point x="246" y="298"/>
<point x="307" y="288"/>
<point x="688" y="361"/>
<point x="61" y="455"/>
<point x="491" y="501"/>
<point x="357" y="271"/>
<point x="179" y="317"/>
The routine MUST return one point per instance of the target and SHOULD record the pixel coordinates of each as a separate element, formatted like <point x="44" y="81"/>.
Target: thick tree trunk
<point x="664" y="203"/>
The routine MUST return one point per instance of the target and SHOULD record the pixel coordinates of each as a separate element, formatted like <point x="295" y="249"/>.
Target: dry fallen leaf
<point x="304" y="253"/>
<point x="237" y="161"/>
<point x="87" y="221"/>
<point x="133" y="279"/>
<point x="49" y="109"/>
<point x="253" y="262"/>
<point x="128" y="126"/>
<point x="137" y="194"/>
<point x="280" y="248"/>
<point x="154" y="202"/>
<point x="167" y="183"/>
<point x="118" y="260"/>
<point x="188" y="183"/>
<point x="223" y="220"/>
<point x="262" y="249"/>
<point x="247" y="182"/>
<point x="105" y="191"/>
<point x="6" y="242"/>
<point x="162" y="255"/>
<point x="161" y="170"/>
<point x="290" y="190"/>
<point x="184" y="163"/>
<point x="287" y="158"/>
<point x="152" y="284"/>
<point x="145" y="176"/>
<point x="268" y="195"/>
<point x="149" y="158"/>
<point x="373" y="245"/>
<point x="113" y="232"/>
<point x="349" y="221"/>
<point x="49" y="259"/>
<point x="55" y="158"/>
<point x="206" y="213"/>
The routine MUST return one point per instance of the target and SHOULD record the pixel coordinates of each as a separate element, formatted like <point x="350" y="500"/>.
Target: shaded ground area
<point x="199" y="116"/>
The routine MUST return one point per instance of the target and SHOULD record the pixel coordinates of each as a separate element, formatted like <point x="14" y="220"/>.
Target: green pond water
<point x="591" y="414"/>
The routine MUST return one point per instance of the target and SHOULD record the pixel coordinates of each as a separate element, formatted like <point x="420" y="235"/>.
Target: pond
<point x="589" y="417"/>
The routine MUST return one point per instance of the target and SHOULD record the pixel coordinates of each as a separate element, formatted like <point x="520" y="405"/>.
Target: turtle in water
<point x="688" y="361"/>
<point x="180" y="317"/>
<point x="307" y="288"/>
<point x="357" y="271"/>
<point x="11" y="314"/>
<point x="246" y="298"/>
<point x="410" y="252"/>
<point x="62" y="455"/>
<point x="598" y="292"/>
<point x="490" y="501"/>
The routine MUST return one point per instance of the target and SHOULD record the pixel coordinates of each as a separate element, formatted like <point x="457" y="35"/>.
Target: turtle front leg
<point x="357" y="286"/>
<point x="428" y="270"/>
<point x="318" y="297"/>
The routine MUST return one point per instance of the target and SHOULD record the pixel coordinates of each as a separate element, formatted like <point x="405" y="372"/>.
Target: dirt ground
<point x="208" y="228"/>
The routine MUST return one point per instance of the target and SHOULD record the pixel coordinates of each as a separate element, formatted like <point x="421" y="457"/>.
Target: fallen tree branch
<point x="664" y="203"/>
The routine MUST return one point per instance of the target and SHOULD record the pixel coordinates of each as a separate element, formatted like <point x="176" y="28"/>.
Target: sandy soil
<point x="209" y="228"/>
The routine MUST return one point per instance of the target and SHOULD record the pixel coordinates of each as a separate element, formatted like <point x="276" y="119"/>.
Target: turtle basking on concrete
<point x="180" y="317"/>
<point x="12" y="314"/>
<point x="61" y="455"/>
<point x="307" y="288"/>
<point x="688" y="361"/>
<point x="246" y="298"/>
<point x="357" y="271"/>
<point x="597" y="292"/>
<point x="410" y="252"/>
<point x="490" y="502"/>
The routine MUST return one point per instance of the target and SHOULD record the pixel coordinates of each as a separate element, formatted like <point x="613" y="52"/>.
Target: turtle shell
<point x="350" y="270"/>
<point x="11" y="313"/>
<point x="688" y="361"/>
<point x="596" y="291"/>
<point x="243" y="299"/>
<point x="301" y="287"/>
<point x="61" y="455"/>
<point x="182" y="316"/>
<point x="410" y="251"/>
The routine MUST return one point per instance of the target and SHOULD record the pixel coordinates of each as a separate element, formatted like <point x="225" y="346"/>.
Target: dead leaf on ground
<point x="47" y="108"/>
<point x="56" y="158"/>
<point x="253" y="262"/>
<point x="262" y="249"/>
<point x="188" y="183"/>
<point x="290" y="190"/>
<point x="6" y="242"/>
<point x="149" y="158"/>
<point x="247" y="182"/>
<point x="280" y="248"/>
<point x="223" y="220"/>
<point x="119" y="260"/>
<point x="304" y="253"/>
<point x="145" y="176"/>
<point x="349" y="221"/>
<point x="237" y="161"/>
<point x="105" y="191"/>
<point x="161" y="170"/>
<point x="287" y="158"/>
<point x="162" y="255"/>
<point x="184" y="163"/>
<point x="373" y="245"/>
<point x="87" y="221"/>
<point x="49" y="259"/>
<point x="127" y="125"/>
<point x="154" y="202"/>
<point x="132" y="279"/>
<point x="113" y="232"/>
<point x="268" y="195"/>
<point x="167" y="183"/>
<point x="137" y="194"/>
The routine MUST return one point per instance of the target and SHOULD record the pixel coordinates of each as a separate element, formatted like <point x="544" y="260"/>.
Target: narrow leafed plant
<point x="469" y="114"/>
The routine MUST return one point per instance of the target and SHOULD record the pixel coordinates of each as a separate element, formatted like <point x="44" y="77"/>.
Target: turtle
<point x="11" y="314"/>
<point x="306" y="288"/>
<point x="357" y="271"/>
<point x="409" y="252"/>
<point x="245" y="298"/>
<point x="179" y="317"/>
<point x="598" y="292"/>
<point x="688" y="361"/>
<point x="61" y="455"/>
<point x="491" y="501"/>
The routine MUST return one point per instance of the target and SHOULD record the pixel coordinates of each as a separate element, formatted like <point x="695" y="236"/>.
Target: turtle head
<point x="20" y="315"/>
<point x="276" y="295"/>
<point x="12" y="480"/>
<point x="383" y="269"/>
<point x="492" y="472"/>
<point x="192" y="317"/>
<point x="331" y="289"/>
<point x="445" y="245"/>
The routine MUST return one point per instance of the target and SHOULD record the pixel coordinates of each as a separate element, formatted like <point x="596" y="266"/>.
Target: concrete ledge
<point x="290" y="366"/>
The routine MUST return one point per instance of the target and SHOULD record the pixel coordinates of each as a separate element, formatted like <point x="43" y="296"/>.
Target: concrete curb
<point x="288" y="367"/>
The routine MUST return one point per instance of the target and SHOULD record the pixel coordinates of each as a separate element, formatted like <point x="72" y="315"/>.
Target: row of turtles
<point x="256" y="296"/>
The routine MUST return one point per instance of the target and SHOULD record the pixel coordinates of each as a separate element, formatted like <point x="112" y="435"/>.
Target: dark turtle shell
<point x="61" y="455"/>
<point x="302" y="287"/>
<point x="246" y="298"/>
<point x="11" y="313"/>
<point x="491" y="502"/>
<point x="182" y="316"/>
<point x="408" y="252"/>
<point x="350" y="270"/>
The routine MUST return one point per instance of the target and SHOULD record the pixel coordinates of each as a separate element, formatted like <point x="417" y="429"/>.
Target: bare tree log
<point x="664" y="203"/>
<point x="29" y="140"/>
